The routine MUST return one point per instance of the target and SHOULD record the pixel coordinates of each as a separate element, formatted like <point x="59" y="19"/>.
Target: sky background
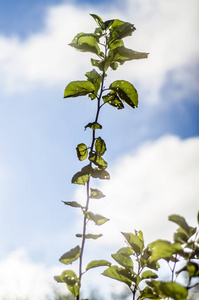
<point x="152" y="151"/>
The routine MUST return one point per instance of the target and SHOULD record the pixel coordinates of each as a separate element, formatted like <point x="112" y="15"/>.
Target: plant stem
<point x="88" y="182"/>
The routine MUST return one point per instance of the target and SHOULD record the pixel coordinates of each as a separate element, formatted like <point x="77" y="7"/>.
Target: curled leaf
<point x="70" y="256"/>
<point x="126" y="92"/>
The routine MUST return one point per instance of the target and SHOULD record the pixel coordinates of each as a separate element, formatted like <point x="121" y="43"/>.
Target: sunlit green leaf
<point x="80" y="178"/>
<point x="96" y="218"/>
<point x="83" y="176"/>
<point x="126" y="92"/>
<point x="148" y="293"/>
<point x="113" y="272"/>
<point x="98" y="31"/>
<point x="97" y="63"/>
<point x="122" y="54"/>
<point x="90" y="236"/>
<point x="71" y="280"/>
<point x="127" y="251"/>
<point x="98" y="160"/>
<point x="183" y="224"/>
<point x="140" y="235"/>
<point x="108" y="23"/>
<point x="170" y="289"/>
<point x="134" y="241"/>
<point x="98" y="20"/>
<point x="180" y="236"/>
<point x="123" y="260"/>
<point x="192" y="268"/>
<point x="114" y="65"/>
<point x="86" y="42"/>
<point x="70" y="256"/>
<point x="148" y="274"/>
<point x="117" y="43"/>
<point x="78" y="88"/>
<point x="82" y="151"/>
<point x="120" y="29"/>
<point x="95" y="78"/>
<point x="128" y="273"/>
<point x="58" y="278"/>
<point x="145" y="260"/>
<point x="100" y="146"/>
<point x="97" y="263"/>
<point x="93" y="126"/>
<point x="163" y="249"/>
<point x="100" y="173"/>
<point x="72" y="203"/>
<point x="112" y="99"/>
<point x="96" y="194"/>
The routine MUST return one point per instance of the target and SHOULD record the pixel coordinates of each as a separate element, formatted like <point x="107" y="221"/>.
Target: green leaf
<point x="180" y="236"/>
<point x="134" y="241"/>
<point x="98" y="160"/>
<point x="96" y="218"/>
<point x="80" y="178"/>
<point x="69" y="277"/>
<point x="83" y="176"/>
<point x="144" y="260"/>
<point x="96" y="194"/>
<point x="97" y="263"/>
<point x="90" y="236"/>
<point x="93" y="126"/>
<point x="170" y="289"/>
<point x="98" y="32"/>
<point x="163" y="249"/>
<point x="128" y="273"/>
<point x="100" y="146"/>
<point x="70" y="256"/>
<point x="119" y="30"/>
<point x="126" y="92"/>
<point x="148" y="293"/>
<point x="98" y="20"/>
<point x="71" y="280"/>
<point x="113" y="272"/>
<point x="86" y="42"/>
<point x="112" y="99"/>
<point x="72" y="203"/>
<point x="78" y="88"/>
<point x="93" y="76"/>
<point x="96" y="79"/>
<point x="122" y="54"/>
<point x="82" y="151"/>
<point x="126" y="251"/>
<point x="97" y="63"/>
<point x="114" y="65"/>
<point x="148" y="274"/>
<point x="100" y="173"/>
<point x="123" y="260"/>
<point x="116" y="44"/>
<point x="108" y="23"/>
<point x="192" y="268"/>
<point x="183" y="224"/>
<point x="58" y="278"/>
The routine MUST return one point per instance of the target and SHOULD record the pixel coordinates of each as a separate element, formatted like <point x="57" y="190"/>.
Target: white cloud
<point x="166" y="29"/>
<point x="160" y="179"/>
<point x="19" y="277"/>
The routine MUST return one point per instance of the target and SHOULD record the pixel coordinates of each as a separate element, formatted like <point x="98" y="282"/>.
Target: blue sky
<point x="152" y="151"/>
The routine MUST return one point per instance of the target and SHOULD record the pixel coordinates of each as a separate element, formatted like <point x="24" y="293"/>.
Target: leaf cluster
<point x="137" y="263"/>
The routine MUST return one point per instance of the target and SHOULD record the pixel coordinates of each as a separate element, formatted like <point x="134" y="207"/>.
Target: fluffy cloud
<point x="19" y="277"/>
<point x="166" y="29"/>
<point x="160" y="179"/>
